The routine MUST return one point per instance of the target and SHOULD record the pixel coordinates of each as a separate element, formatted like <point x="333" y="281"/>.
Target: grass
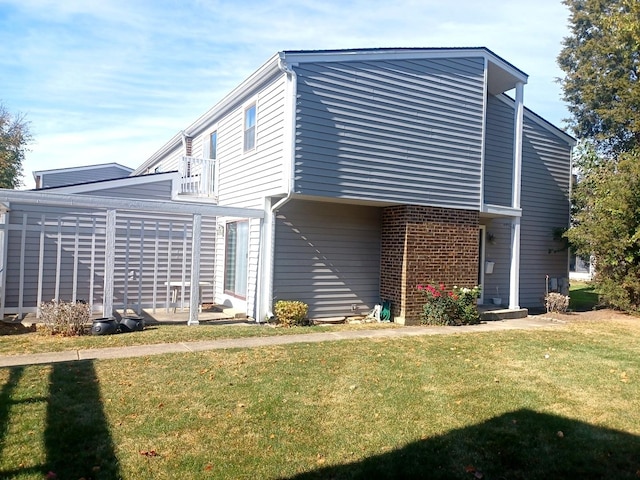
<point x="18" y="339"/>
<point x="539" y="404"/>
<point x="583" y="296"/>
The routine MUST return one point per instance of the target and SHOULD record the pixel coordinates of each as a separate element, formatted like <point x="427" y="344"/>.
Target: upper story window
<point x="250" y="128"/>
<point x="213" y="145"/>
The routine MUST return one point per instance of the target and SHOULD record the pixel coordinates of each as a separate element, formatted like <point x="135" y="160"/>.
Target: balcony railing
<point x="198" y="177"/>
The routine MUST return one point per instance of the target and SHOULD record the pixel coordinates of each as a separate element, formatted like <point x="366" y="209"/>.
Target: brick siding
<point x="425" y="245"/>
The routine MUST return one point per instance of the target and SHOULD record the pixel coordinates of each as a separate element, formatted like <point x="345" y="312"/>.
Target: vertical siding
<point x="545" y="206"/>
<point x="328" y="255"/>
<point x="402" y="131"/>
<point x="151" y="248"/>
<point x="84" y="175"/>
<point x="498" y="169"/>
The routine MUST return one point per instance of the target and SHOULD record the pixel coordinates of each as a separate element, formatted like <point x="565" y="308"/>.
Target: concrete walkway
<point x="252" y="342"/>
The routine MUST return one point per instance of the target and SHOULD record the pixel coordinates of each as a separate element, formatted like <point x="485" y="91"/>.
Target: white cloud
<point x="114" y="80"/>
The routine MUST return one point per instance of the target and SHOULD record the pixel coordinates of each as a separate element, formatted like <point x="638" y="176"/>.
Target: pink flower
<point x="420" y="287"/>
<point x="442" y="287"/>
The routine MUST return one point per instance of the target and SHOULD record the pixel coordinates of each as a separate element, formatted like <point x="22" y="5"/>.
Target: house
<point x="380" y="169"/>
<point x="340" y="178"/>
<point x="60" y="177"/>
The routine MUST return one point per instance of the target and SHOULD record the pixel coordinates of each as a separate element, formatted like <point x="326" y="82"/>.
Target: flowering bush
<point x="449" y="307"/>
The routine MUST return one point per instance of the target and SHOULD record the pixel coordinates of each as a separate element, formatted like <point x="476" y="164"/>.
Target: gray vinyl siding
<point x="404" y="131"/>
<point x="496" y="284"/>
<point x="160" y="190"/>
<point x="151" y="248"/>
<point x="245" y="179"/>
<point x="546" y="169"/>
<point x="328" y="256"/>
<point x="82" y="175"/>
<point x="498" y="170"/>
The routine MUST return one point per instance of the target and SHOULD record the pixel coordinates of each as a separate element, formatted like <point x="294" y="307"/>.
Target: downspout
<point x="266" y="296"/>
<point x="282" y="65"/>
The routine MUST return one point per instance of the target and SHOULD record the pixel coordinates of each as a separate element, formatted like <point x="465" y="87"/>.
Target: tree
<point x="601" y="60"/>
<point x="14" y="138"/>
<point x="606" y="224"/>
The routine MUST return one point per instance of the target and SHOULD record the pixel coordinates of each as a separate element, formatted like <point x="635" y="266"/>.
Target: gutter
<point x="265" y="307"/>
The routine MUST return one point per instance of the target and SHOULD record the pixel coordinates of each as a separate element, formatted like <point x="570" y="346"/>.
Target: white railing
<point x="197" y="177"/>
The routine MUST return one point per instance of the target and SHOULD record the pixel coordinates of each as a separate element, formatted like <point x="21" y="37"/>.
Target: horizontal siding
<point x="244" y="179"/>
<point x="73" y="177"/>
<point x="496" y="284"/>
<point x="545" y="206"/>
<point x="328" y="256"/>
<point x="160" y="190"/>
<point x="401" y="131"/>
<point x="498" y="169"/>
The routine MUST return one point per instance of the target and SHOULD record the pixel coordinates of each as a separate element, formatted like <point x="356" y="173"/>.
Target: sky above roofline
<point x="113" y="81"/>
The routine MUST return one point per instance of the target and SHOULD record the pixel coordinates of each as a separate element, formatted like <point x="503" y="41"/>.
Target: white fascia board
<point x="271" y="66"/>
<point x="115" y="183"/>
<point x="319" y="56"/>
<point x="294" y="57"/>
<point x="110" y="203"/>
<point x="501" y="211"/>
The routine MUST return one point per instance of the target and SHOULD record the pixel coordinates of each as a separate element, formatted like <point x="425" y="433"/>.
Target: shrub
<point x="291" y="312"/>
<point x="449" y="307"/>
<point x="556" y="302"/>
<point x="65" y="318"/>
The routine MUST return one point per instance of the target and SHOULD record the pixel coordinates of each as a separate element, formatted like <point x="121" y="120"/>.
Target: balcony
<point x="197" y="177"/>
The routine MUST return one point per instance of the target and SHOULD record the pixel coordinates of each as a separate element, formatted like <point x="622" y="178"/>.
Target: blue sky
<point x="113" y="80"/>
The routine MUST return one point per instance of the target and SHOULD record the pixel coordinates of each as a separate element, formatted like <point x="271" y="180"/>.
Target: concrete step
<point x="503" y="314"/>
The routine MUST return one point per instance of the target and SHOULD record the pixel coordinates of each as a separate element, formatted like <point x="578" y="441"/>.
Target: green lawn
<point x="17" y="339"/>
<point x="539" y="404"/>
<point x="583" y="296"/>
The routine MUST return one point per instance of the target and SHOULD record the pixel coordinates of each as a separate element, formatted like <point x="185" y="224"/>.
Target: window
<point x="250" y="128"/>
<point x="235" y="259"/>
<point x="213" y="145"/>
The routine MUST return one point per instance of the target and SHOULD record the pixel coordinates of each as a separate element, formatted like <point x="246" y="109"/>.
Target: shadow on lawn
<point x="77" y="437"/>
<point x="520" y="445"/>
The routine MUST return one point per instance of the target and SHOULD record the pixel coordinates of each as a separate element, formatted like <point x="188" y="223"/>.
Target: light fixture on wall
<point x="220" y="229"/>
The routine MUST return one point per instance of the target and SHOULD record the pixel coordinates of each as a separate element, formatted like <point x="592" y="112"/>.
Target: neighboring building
<point x="60" y="177"/>
<point x="372" y="171"/>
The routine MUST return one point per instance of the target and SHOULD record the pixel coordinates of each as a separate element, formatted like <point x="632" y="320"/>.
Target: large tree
<point x="601" y="61"/>
<point x="14" y="138"/>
